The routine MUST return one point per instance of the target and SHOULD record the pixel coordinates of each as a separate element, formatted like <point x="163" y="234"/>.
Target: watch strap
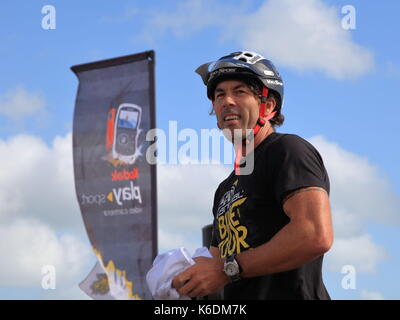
<point x="232" y="259"/>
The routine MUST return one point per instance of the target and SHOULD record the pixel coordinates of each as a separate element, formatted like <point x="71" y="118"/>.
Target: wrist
<point x="221" y="264"/>
<point x="232" y="268"/>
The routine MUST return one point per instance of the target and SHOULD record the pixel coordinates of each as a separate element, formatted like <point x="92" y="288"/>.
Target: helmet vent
<point x="211" y="66"/>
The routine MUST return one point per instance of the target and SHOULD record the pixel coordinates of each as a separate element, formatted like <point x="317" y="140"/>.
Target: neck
<point x="262" y="134"/>
<point x="243" y="149"/>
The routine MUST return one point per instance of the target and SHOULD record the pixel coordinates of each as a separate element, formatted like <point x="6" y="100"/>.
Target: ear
<point x="270" y="105"/>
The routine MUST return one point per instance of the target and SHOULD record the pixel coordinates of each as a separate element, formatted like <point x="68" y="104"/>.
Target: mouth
<point x="230" y="118"/>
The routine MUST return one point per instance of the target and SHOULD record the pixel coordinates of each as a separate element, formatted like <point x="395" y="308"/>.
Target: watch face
<point x="231" y="269"/>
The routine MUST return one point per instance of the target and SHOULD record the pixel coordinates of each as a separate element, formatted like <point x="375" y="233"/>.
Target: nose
<point x="228" y="100"/>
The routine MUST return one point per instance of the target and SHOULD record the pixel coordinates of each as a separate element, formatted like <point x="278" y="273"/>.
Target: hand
<point x="205" y="277"/>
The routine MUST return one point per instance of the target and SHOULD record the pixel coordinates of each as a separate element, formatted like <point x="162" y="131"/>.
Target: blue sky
<point x="340" y="93"/>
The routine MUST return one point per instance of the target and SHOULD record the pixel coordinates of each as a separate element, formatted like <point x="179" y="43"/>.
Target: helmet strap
<point x="262" y="120"/>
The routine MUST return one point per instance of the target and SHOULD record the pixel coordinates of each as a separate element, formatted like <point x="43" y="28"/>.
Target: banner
<point x="115" y="185"/>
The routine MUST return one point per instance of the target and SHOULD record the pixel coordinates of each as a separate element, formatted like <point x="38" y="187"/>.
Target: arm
<point x="308" y="235"/>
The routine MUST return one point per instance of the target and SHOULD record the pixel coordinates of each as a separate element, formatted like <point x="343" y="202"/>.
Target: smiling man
<point x="273" y="226"/>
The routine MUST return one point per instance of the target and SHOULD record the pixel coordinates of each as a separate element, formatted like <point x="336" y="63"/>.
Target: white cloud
<point x="371" y="295"/>
<point x="40" y="222"/>
<point x="172" y="240"/>
<point x="19" y="103"/>
<point x="359" y="251"/>
<point x="26" y="245"/>
<point x="359" y="191"/>
<point x="188" y="17"/>
<point x="36" y="180"/>
<point x="359" y="196"/>
<point x="303" y="35"/>
<point x="185" y="196"/>
<point x="345" y="224"/>
<point x="65" y="292"/>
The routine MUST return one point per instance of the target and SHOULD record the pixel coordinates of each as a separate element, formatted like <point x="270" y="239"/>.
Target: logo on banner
<point x="90" y="199"/>
<point x="122" y="134"/>
<point x="125" y="194"/>
<point x="125" y="175"/>
<point x="117" y="195"/>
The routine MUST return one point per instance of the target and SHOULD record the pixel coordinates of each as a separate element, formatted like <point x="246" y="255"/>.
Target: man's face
<point x="235" y="105"/>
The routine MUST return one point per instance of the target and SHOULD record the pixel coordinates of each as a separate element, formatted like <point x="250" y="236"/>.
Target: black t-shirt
<point x="248" y="212"/>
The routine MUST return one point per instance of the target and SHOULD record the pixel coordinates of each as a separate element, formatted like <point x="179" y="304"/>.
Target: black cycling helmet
<point x="242" y="64"/>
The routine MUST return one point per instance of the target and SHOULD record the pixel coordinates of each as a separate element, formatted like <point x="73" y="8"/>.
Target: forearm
<point x="290" y="248"/>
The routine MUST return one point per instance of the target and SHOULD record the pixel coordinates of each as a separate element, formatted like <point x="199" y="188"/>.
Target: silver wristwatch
<point x="232" y="268"/>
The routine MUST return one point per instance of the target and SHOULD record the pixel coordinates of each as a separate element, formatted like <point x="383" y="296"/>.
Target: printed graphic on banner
<point x="123" y="129"/>
<point x="115" y="185"/>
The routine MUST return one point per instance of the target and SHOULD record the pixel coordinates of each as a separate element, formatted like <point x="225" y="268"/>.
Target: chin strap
<point x="262" y="120"/>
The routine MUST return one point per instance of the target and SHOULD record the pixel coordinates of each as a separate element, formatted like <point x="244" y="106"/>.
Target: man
<point x="271" y="227"/>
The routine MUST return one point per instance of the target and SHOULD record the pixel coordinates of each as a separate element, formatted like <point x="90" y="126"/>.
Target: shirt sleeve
<point x="214" y="241"/>
<point x="298" y="165"/>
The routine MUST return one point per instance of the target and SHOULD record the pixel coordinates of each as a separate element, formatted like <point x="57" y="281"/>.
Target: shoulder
<point x="288" y="141"/>
<point x="288" y="151"/>
<point x="285" y="143"/>
<point x="295" y="163"/>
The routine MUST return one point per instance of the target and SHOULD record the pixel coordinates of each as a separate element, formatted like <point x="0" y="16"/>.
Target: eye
<point x="240" y="92"/>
